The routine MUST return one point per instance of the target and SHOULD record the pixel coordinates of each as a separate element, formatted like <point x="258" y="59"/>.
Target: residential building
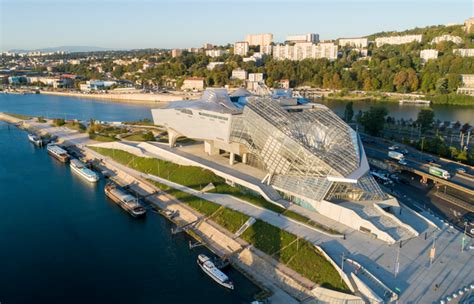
<point x="16" y="80"/>
<point x="194" y="50"/>
<point x="193" y="83"/>
<point x="55" y="82"/>
<point x="255" y="77"/>
<point x="304" y="150"/>
<point x="94" y="85"/>
<point x="455" y="39"/>
<point x="284" y="84"/>
<point x="468" y="85"/>
<point x="314" y="38"/>
<point x="426" y="55"/>
<point x="397" y="39"/>
<point x="354" y="42"/>
<point x="176" y="53"/>
<point x="256" y="57"/>
<point x="74" y="61"/>
<point x="239" y="74"/>
<point x="464" y="52"/>
<point x="208" y="46"/>
<point x="300" y="51"/>
<point x="469" y="25"/>
<point x="241" y="48"/>
<point x="259" y="39"/>
<point x="212" y="65"/>
<point x="215" y="53"/>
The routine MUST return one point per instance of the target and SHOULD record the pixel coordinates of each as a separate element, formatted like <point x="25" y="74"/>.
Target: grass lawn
<point x="75" y="126"/>
<point x="103" y="138"/>
<point x="139" y="136"/>
<point x="197" y="178"/>
<point x="297" y="254"/>
<point x="227" y="218"/>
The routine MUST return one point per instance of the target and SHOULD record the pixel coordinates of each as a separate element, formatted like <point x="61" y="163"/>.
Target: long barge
<point x="58" y="153"/>
<point x="80" y="168"/>
<point x="128" y="202"/>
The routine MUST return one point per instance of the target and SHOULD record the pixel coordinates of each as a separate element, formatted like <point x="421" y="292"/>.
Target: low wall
<point x="121" y="146"/>
<point x="336" y="266"/>
<point x="125" y="97"/>
<point x="350" y="218"/>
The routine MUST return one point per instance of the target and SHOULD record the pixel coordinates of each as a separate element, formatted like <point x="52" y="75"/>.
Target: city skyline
<point x="191" y="23"/>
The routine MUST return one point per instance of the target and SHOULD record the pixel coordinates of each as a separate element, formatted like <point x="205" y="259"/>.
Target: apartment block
<point x="259" y="39"/>
<point x="241" y="48"/>
<point x="395" y="40"/>
<point x="354" y="42"/>
<point x="310" y="37"/>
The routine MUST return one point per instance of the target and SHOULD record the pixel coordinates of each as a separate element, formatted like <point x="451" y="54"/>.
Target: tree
<point x="373" y="120"/>
<point x="349" y="111"/>
<point x="425" y="119"/>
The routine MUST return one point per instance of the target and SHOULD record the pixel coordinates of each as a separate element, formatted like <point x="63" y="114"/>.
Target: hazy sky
<point x="33" y="24"/>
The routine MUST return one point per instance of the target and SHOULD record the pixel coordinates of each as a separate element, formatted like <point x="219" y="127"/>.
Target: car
<point x="431" y="160"/>
<point x="404" y="151"/>
<point x="468" y="220"/>
<point x="403" y="162"/>
<point x="394" y="147"/>
<point x="461" y="170"/>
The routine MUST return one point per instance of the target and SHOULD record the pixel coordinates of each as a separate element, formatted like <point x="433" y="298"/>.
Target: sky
<point x="127" y="24"/>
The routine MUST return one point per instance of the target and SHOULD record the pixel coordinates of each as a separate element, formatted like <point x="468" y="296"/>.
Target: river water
<point x="85" y="108"/>
<point x="62" y="241"/>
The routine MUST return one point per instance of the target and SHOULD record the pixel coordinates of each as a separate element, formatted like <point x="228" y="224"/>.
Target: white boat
<point x="79" y="167"/>
<point x="124" y="200"/>
<point x="58" y="153"/>
<point x="211" y="270"/>
<point x="35" y="139"/>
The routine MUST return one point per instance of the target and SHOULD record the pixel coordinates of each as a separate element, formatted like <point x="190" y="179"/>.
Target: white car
<point x="394" y="147"/>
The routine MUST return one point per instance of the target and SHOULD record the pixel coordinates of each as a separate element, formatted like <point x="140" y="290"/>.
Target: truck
<point x="395" y="155"/>
<point x="439" y="172"/>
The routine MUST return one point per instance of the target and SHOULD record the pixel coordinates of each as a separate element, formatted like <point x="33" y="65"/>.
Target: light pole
<point x="397" y="261"/>
<point x="342" y="265"/>
<point x="433" y="249"/>
<point x="463" y="237"/>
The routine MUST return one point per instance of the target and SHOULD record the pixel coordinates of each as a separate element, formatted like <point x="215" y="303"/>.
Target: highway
<point x="419" y="163"/>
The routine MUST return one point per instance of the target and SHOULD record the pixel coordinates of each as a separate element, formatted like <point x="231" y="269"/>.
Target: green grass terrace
<point x="298" y="254"/>
<point x="198" y="178"/>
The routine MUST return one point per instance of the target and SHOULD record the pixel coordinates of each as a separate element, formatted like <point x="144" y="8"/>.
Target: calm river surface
<point x="84" y="108"/>
<point x="62" y="241"/>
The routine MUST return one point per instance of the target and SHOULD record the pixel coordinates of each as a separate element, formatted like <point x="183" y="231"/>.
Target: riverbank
<point x="388" y="98"/>
<point x="143" y="98"/>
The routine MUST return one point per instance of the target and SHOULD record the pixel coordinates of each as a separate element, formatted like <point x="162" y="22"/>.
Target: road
<point x="378" y="148"/>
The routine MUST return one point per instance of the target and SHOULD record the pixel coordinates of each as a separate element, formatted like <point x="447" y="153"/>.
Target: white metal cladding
<point x="301" y="149"/>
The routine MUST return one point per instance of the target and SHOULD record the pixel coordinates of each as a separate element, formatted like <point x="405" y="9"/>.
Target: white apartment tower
<point x="259" y="39"/>
<point x="241" y="48"/>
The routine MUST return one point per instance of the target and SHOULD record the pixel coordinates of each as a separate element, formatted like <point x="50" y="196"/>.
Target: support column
<point x="231" y="158"/>
<point x="244" y="158"/>
<point x="172" y="136"/>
